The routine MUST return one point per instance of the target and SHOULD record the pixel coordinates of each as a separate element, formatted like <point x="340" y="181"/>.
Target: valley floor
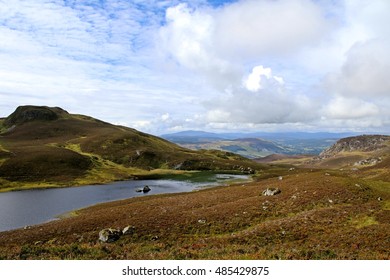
<point x="318" y="215"/>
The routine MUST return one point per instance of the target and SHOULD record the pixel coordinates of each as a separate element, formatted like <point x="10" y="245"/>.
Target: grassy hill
<point x="46" y="146"/>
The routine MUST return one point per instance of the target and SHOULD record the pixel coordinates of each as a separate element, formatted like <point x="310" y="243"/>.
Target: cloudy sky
<point x="166" y="66"/>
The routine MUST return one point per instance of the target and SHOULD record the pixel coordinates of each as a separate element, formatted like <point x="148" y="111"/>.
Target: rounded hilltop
<point x="29" y="113"/>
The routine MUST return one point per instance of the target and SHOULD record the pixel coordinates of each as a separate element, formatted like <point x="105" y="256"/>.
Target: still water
<point x="31" y="207"/>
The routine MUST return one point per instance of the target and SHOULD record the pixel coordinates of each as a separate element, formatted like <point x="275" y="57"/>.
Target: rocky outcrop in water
<point x="145" y="189"/>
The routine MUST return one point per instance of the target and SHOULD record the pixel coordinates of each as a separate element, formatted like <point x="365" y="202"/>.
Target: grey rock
<point x="109" y="235"/>
<point x="128" y="230"/>
<point x="271" y="191"/>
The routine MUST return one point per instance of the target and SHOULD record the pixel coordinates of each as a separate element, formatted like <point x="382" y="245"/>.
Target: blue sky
<point x="166" y="66"/>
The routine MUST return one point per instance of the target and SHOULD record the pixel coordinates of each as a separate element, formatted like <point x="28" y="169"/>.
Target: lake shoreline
<point x="61" y="202"/>
<point x="156" y="174"/>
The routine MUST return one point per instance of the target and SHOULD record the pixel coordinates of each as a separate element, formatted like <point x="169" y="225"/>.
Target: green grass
<point x="363" y="221"/>
<point x="379" y="185"/>
<point x="386" y="205"/>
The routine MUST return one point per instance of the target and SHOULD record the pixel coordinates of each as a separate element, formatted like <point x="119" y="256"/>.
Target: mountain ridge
<point x="268" y="143"/>
<point x="41" y="144"/>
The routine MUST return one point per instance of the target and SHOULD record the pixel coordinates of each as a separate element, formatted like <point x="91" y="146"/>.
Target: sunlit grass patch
<point x="363" y="221"/>
<point x="386" y="205"/>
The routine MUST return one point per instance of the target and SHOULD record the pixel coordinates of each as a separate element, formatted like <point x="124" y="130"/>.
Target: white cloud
<point x="350" y="108"/>
<point x="166" y="65"/>
<point x="365" y="71"/>
<point x="260" y="78"/>
<point x="251" y="29"/>
<point x="165" y="117"/>
<point x="217" y="43"/>
<point x="263" y="106"/>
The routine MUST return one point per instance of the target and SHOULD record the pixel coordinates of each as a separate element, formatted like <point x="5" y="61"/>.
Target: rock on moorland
<point x="271" y="191"/>
<point x="109" y="235"/>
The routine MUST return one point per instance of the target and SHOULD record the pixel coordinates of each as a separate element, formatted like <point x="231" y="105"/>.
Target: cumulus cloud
<point x="357" y="84"/>
<point x="260" y="78"/>
<point x="242" y="30"/>
<point x="347" y="108"/>
<point x="365" y="71"/>
<point x="169" y="65"/>
<point x="188" y="39"/>
<point x="252" y="28"/>
<point x="217" y="43"/>
<point x="270" y="104"/>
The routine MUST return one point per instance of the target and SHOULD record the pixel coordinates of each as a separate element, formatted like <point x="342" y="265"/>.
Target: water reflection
<point x="30" y="207"/>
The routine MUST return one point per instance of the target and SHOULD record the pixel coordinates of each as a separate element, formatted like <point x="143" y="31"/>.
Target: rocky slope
<point x="364" y="143"/>
<point x="355" y="153"/>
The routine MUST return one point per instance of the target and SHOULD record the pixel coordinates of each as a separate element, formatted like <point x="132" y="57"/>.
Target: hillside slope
<point x="50" y="146"/>
<point x="357" y="151"/>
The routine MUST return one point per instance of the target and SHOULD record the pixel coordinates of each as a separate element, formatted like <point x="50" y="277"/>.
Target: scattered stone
<point x="368" y="161"/>
<point x="109" y="235"/>
<point x="154" y="238"/>
<point x="380" y="199"/>
<point x="271" y="191"/>
<point x="280" y="178"/>
<point x="294" y="197"/>
<point x="330" y="201"/>
<point x="327" y="174"/>
<point x="291" y="169"/>
<point x="128" y="230"/>
<point x="201" y="221"/>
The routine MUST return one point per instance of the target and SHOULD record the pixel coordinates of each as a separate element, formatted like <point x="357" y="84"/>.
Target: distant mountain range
<point x="258" y="144"/>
